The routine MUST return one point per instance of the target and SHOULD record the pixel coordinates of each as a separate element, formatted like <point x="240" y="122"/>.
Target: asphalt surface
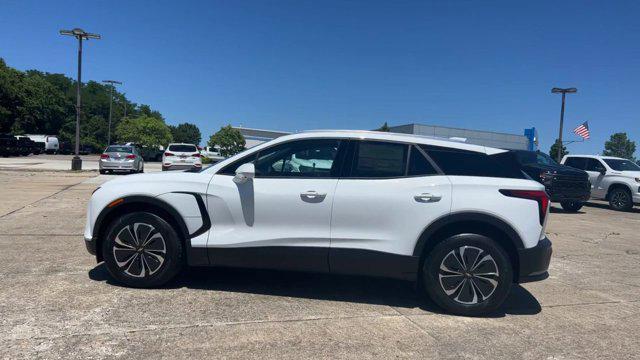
<point x="56" y="302"/>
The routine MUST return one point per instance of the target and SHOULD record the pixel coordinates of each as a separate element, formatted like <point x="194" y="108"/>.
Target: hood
<point x="632" y="174"/>
<point x="164" y="176"/>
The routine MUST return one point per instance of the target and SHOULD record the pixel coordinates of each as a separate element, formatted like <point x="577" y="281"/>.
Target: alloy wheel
<point x="468" y="275"/>
<point x="139" y="250"/>
<point x="620" y="199"/>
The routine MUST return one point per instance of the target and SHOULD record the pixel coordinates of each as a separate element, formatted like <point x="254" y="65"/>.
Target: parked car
<point x="152" y="153"/>
<point x="212" y="153"/>
<point x="613" y="179"/>
<point x="121" y="158"/>
<point x="566" y="185"/>
<point x="51" y="143"/>
<point x="8" y="145"/>
<point x="181" y="157"/>
<point x="461" y="220"/>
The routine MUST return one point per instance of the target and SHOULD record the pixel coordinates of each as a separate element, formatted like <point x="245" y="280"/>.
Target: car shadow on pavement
<point x="606" y="207"/>
<point x="560" y="210"/>
<point x="356" y="289"/>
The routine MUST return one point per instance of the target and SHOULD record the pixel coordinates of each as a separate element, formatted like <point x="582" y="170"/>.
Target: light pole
<point x="563" y="92"/>
<point x="111" y="87"/>
<point x="76" y="162"/>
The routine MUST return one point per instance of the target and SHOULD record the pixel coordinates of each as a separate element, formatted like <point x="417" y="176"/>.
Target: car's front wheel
<point x="571" y="206"/>
<point x="467" y="274"/>
<point x="620" y="199"/>
<point x="142" y="250"/>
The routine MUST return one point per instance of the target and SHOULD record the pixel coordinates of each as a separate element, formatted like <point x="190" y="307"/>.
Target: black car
<point x="8" y="145"/>
<point x="566" y="185"/>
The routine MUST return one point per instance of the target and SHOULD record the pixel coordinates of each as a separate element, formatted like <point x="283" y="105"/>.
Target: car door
<point x="388" y="195"/>
<point x="597" y="173"/>
<point x="281" y="218"/>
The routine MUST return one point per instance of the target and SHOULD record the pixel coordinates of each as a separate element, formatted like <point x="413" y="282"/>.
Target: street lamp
<point x="563" y="92"/>
<point x="111" y="87"/>
<point x="76" y="162"/>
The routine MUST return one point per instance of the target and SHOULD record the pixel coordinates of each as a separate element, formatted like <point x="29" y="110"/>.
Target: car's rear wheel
<point x="620" y="199"/>
<point x="571" y="206"/>
<point x="103" y="172"/>
<point x="142" y="250"/>
<point x="467" y="274"/>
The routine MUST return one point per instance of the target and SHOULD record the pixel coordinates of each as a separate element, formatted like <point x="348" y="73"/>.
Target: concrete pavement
<point x="56" y="302"/>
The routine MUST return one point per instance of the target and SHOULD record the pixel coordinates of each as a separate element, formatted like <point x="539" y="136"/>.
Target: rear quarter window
<point x="470" y="163"/>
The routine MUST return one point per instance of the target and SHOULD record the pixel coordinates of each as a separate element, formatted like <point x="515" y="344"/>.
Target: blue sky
<point x="296" y="65"/>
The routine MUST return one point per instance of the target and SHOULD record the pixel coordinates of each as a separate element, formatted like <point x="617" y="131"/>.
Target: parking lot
<point x="56" y="302"/>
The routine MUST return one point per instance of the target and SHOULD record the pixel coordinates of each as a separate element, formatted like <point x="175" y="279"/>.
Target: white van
<point x="51" y="143"/>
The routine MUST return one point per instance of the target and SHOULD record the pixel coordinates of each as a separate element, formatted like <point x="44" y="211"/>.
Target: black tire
<point x="571" y="206"/>
<point x="620" y="199"/>
<point x="467" y="294"/>
<point x="145" y="268"/>
<point x="103" y="172"/>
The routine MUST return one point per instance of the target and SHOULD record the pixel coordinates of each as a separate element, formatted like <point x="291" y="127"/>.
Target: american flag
<point x="582" y="130"/>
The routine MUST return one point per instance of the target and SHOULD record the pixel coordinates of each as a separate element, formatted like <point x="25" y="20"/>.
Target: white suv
<point x="181" y="157"/>
<point x="461" y="220"/>
<point x="614" y="179"/>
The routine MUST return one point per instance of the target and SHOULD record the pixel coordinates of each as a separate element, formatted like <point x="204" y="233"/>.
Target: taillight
<point x="536" y="195"/>
<point x="168" y="154"/>
<point x="196" y="155"/>
<point x="131" y="156"/>
<point x="104" y="156"/>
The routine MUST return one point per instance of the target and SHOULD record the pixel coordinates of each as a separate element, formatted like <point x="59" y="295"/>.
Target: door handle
<point x="312" y="194"/>
<point x="427" y="197"/>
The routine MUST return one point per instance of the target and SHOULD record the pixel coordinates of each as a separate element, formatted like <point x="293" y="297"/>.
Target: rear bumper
<point x="117" y="165"/>
<point x="534" y="262"/>
<point x="180" y="167"/>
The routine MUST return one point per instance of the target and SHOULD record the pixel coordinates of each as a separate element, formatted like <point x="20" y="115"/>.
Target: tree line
<point x="36" y="102"/>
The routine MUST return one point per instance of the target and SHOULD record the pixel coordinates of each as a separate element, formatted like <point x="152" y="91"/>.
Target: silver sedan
<point x="121" y="158"/>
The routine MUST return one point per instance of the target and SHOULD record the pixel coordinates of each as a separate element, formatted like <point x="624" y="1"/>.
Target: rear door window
<point x="576" y="162"/>
<point x="377" y="159"/>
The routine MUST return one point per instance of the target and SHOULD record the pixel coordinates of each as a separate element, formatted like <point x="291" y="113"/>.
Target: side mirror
<point x="603" y="171"/>
<point x="244" y="173"/>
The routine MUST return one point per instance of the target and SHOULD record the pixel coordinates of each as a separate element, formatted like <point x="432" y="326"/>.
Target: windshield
<point x="622" y="165"/>
<point x="534" y="157"/>
<point x="182" y="148"/>
<point x="120" y="149"/>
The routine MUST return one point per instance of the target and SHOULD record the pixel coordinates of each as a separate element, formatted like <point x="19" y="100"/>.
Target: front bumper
<point x="534" y="262"/>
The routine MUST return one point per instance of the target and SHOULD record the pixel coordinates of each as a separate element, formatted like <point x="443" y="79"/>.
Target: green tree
<point x="553" y="152"/>
<point x="619" y="145"/>
<point x="384" y="127"/>
<point x="186" y="133"/>
<point x="144" y="130"/>
<point x="229" y="140"/>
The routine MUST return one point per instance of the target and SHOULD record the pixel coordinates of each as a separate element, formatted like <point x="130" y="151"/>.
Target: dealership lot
<point x="56" y="302"/>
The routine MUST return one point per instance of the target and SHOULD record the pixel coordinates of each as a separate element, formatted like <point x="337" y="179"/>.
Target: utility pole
<point x="563" y="92"/>
<point x="76" y="162"/>
<point x="111" y="88"/>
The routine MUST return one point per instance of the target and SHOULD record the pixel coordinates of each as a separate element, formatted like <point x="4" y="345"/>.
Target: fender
<point x="194" y="257"/>
<point x="466" y="216"/>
